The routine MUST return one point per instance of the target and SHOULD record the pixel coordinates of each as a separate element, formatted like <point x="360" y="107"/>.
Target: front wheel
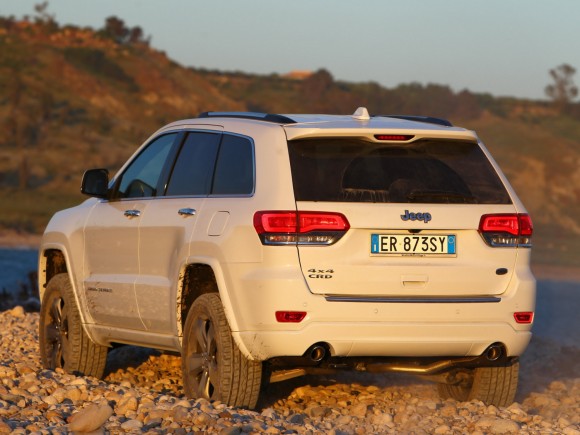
<point x="213" y="366"/>
<point x="63" y="341"/>
<point x="492" y="385"/>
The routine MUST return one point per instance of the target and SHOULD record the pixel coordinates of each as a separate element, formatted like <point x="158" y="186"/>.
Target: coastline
<point x="17" y="240"/>
<point x="552" y="272"/>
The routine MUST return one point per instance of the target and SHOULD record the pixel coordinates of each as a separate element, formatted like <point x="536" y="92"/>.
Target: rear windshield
<point x="425" y="171"/>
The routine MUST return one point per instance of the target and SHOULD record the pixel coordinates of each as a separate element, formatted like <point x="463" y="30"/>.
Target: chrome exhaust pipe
<point x="494" y="352"/>
<point x="316" y="353"/>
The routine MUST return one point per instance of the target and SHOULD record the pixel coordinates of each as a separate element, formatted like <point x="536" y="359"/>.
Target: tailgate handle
<point x="415" y="281"/>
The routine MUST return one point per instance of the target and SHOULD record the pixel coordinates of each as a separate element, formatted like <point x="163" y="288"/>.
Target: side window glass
<point x="141" y="178"/>
<point x="194" y="166"/>
<point x="234" y="172"/>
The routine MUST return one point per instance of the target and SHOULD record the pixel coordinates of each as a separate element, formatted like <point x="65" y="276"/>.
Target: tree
<point x="563" y="91"/>
<point x="43" y="16"/>
<point x="44" y="19"/>
<point x="116" y="30"/>
<point x="136" y="35"/>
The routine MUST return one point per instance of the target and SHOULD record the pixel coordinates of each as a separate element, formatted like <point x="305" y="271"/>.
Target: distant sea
<point x="15" y="265"/>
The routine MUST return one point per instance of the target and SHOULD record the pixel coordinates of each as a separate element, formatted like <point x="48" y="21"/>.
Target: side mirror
<point x="96" y="183"/>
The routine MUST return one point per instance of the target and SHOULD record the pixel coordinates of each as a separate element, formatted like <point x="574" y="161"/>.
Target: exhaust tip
<point x="317" y="352"/>
<point x="494" y="352"/>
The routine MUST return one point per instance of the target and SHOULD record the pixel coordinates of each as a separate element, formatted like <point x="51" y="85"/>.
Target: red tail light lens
<point x="303" y="227"/>
<point x="275" y="222"/>
<point x="290" y="316"/>
<point x="526" y="227"/>
<point x="507" y="230"/>
<point x="525" y="317"/>
<point x="311" y="221"/>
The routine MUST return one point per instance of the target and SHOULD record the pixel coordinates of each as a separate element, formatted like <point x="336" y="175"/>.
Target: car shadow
<point x="350" y="380"/>
<point x="122" y="357"/>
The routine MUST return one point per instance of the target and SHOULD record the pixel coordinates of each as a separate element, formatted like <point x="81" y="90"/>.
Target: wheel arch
<point x="195" y="280"/>
<point x="54" y="259"/>
<point x="200" y="276"/>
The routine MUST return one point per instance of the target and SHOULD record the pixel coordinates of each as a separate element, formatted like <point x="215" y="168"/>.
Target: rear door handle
<point x="132" y="213"/>
<point x="186" y="212"/>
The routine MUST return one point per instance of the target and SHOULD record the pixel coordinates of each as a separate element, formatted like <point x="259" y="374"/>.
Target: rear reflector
<point x="394" y="137"/>
<point x="507" y="230"/>
<point x="303" y="227"/>
<point x="290" y="316"/>
<point x="525" y="317"/>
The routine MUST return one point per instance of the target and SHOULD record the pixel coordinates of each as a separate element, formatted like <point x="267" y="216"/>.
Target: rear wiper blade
<point x="452" y="197"/>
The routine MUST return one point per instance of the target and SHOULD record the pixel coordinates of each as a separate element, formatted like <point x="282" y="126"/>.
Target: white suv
<point x="263" y="247"/>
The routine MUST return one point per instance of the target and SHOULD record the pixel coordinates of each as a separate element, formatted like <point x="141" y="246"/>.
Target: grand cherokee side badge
<point x="410" y="216"/>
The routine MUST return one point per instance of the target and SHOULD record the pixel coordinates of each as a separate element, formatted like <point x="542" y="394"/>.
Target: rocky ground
<point x="141" y="393"/>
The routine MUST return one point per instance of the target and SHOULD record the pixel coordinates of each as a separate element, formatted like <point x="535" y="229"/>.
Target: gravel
<point x="141" y="393"/>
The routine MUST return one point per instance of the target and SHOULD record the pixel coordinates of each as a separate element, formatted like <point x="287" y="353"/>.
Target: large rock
<point x="90" y="418"/>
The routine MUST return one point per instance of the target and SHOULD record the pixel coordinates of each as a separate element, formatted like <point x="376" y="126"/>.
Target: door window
<point x="142" y="178"/>
<point x="194" y="166"/>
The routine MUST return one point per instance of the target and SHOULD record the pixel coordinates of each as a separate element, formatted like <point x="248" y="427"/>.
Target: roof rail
<point x="268" y="117"/>
<point x="427" y="119"/>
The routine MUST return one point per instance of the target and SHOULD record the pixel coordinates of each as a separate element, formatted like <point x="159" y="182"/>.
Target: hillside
<point x="73" y="98"/>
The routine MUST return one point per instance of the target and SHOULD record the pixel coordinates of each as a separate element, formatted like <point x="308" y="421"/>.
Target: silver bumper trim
<point x="413" y="299"/>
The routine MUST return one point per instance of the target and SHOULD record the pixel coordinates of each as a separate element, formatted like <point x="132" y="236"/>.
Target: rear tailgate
<point x="469" y="267"/>
<point x="414" y="209"/>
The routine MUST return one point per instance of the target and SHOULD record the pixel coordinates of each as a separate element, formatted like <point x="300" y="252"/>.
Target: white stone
<point x="131" y="425"/>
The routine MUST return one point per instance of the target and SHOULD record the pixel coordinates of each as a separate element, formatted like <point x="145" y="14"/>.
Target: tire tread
<point x="84" y="357"/>
<point x="240" y="378"/>
<point x="492" y="385"/>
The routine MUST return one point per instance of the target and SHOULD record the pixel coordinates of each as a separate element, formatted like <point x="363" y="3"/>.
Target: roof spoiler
<point x="427" y="119"/>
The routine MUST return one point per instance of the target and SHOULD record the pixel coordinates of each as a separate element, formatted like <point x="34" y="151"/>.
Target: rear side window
<point x="425" y="171"/>
<point x="234" y="172"/>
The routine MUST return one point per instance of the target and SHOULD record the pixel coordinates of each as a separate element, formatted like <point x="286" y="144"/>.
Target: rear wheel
<point x="213" y="366"/>
<point x="492" y="385"/>
<point x="63" y="341"/>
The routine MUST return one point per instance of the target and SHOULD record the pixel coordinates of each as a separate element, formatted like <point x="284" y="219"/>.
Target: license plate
<point x="414" y="244"/>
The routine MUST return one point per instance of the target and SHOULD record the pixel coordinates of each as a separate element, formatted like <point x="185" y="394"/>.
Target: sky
<point x="501" y="47"/>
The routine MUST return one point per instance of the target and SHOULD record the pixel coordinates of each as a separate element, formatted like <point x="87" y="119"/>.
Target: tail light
<point x="290" y="316"/>
<point x="507" y="230"/>
<point x="525" y="317"/>
<point x="300" y="227"/>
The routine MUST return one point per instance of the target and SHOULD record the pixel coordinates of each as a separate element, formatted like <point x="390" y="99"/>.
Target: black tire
<point x="63" y="341"/>
<point x="492" y="385"/>
<point x="213" y="366"/>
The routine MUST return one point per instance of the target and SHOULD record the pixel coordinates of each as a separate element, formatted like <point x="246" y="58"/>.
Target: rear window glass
<point x="234" y="172"/>
<point x="425" y="171"/>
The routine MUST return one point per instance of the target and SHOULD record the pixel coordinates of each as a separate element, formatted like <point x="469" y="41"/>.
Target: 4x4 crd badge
<point x="409" y="216"/>
<point x="320" y="273"/>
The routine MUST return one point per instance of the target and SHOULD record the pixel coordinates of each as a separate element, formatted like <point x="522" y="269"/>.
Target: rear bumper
<point x="366" y="339"/>
<point x="379" y="328"/>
